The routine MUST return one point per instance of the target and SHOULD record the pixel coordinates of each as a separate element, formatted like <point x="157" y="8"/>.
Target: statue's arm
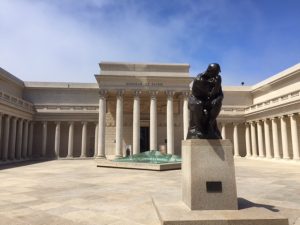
<point x="217" y="90"/>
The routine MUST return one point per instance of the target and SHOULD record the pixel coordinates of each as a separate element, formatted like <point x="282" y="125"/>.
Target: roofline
<point x="8" y="76"/>
<point x="291" y="71"/>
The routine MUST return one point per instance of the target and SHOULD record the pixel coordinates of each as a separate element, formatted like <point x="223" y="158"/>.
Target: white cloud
<point x="63" y="40"/>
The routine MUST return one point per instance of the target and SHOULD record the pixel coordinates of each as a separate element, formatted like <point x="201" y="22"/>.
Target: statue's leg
<point x="196" y="117"/>
<point x="216" y="105"/>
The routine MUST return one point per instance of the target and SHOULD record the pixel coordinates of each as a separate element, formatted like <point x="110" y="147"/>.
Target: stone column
<point x="57" y="139"/>
<point x="12" y="142"/>
<point x="248" y="140"/>
<point x="236" y="140"/>
<point x="83" y="139"/>
<point x="267" y="139"/>
<point x="44" y="143"/>
<point x="101" y="124"/>
<point x="170" y="123"/>
<point x="295" y="140"/>
<point x="25" y="140"/>
<point x="30" y="139"/>
<point x="186" y="114"/>
<point x="275" y="138"/>
<point x="119" y="124"/>
<point x="96" y="140"/>
<point x="223" y="131"/>
<point x="253" y="139"/>
<point x="284" y="138"/>
<point x="6" y="138"/>
<point x="136" y="122"/>
<point x="153" y="120"/>
<point x="19" y="139"/>
<point x="71" y="140"/>
<point x="260" y="139"/>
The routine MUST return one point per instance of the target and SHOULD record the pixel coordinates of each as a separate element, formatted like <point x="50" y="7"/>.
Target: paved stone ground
<point x="76" y="192"/>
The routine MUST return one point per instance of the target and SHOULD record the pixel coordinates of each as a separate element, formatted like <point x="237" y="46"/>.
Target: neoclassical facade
<point x="142" y="107"/>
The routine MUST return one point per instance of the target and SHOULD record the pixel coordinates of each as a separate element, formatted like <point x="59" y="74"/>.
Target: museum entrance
<point x="144" y="139"/>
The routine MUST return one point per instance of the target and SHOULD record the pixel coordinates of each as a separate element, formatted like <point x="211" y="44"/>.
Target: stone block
<point x="208" y="175"/>
<point x="177" y="213"/>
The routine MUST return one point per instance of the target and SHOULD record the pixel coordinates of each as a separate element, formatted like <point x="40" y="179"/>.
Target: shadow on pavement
<point x="244" y="203"/>
<point x="22" y="163"/>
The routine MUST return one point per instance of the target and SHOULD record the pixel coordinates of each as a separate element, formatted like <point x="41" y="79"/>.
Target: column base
<point x="100" y="157"/>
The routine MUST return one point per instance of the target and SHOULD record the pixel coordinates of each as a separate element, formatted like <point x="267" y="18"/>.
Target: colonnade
<point x="70" y="141"/>
<point x="136" y="121"/>
<point x="235" y="136"/>
<point x="16" y="137"/>
<point x="264" y="140"/>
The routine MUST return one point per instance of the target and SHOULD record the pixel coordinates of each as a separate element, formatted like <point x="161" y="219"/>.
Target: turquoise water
<point x="152" y="156"/>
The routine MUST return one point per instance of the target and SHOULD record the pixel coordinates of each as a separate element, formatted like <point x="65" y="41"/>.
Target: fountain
<point x="148" y="160"/>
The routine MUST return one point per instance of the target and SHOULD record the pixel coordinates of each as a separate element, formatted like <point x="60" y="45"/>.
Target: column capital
<point x="137" y="92"/>
<point x="265" y="120"/>
<point x="57" y="122"/>
<point x="235" y="123"/>
<point x="103" y="93"/>
<point x="293" y="114"/>
<point x="153" y="93"/>
<point x="185" y="94"/>
<point x="84" y="122"/>
<point x="71" y="122"/>
<point x="259" y="122"/>
<point x="274" y="118"/>
<point x="170" y="93"/>
<point x="120" y="92"/>
<point x="282" y="117"/>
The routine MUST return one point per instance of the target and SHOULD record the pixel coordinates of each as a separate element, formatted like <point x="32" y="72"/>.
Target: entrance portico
<point x="141" y="97"/>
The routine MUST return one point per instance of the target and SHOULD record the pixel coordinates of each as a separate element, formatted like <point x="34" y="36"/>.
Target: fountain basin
<point x="149" y="160"/>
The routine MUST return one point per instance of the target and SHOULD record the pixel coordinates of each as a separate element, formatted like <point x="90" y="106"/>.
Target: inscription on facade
<point x="146" y="84"/>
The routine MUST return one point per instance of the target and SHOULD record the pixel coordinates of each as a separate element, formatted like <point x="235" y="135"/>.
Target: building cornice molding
<point x="283" y="75"/>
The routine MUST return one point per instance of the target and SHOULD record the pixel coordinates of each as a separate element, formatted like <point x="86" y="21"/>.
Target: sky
<point x="64" y="40"/>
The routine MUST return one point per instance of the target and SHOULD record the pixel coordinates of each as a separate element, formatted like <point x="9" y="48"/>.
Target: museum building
<point x="142" y="107"/>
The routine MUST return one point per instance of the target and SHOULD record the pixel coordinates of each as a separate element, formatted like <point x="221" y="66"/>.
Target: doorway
<point x="144" y="139"/>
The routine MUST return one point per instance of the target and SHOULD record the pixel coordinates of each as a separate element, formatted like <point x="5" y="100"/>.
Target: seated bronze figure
<point x="205" y="104"/>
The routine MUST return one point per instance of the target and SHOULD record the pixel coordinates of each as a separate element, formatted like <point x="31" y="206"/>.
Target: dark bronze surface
<point x="205" y="104"/>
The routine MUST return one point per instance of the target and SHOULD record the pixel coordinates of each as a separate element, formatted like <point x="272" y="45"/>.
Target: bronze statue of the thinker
<point x="205" y="104"/>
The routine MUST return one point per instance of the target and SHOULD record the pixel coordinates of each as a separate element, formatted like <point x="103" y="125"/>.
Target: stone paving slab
<point x="76" y="192"/>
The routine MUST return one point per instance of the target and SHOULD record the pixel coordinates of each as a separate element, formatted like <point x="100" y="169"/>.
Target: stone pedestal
<point x="209" y="190"/>
<point x="208" y="177"/>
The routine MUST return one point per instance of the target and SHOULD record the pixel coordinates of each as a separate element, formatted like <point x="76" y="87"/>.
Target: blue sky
<point x="64" y="40"/>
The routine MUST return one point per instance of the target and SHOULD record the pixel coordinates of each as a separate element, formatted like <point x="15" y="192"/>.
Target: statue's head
<point x="213" y="69"/>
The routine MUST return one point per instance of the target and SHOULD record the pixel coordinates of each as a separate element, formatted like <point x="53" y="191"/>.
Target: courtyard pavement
<point x="76" y="192"/>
